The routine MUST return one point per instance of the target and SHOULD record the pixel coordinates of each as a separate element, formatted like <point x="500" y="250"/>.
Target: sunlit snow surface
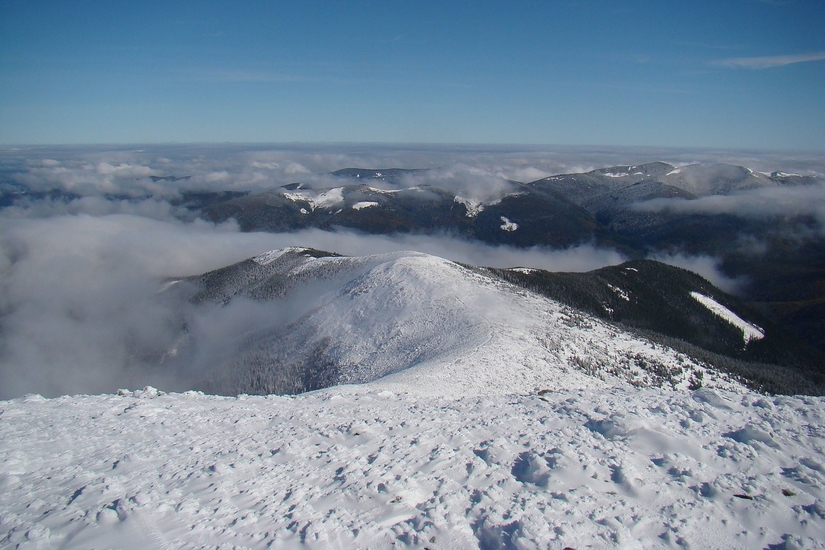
<point x="517" y="426"/>
<point x="357" y="467"/>
<point x="749" y="331"/>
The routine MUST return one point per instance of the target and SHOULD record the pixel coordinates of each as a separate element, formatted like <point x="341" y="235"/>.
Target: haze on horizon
<point x="740" y="74"/>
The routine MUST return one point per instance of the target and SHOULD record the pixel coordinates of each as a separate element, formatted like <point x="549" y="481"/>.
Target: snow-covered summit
<point x="422" y="324"/>
<point x="360" y="467"/>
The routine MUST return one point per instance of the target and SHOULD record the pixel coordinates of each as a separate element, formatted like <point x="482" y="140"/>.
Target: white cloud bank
<point x="763" y="202"/>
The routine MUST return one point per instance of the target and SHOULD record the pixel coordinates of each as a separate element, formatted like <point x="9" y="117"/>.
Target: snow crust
<point x="749" y="330"/>
<point x="364" y="204"/>
<point x="363" y="467"/>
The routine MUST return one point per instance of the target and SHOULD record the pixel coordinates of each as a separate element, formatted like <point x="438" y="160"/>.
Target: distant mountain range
<point x="785" y="278"/>
<point x="635" y="209"/>
<point x="415" y="318"/>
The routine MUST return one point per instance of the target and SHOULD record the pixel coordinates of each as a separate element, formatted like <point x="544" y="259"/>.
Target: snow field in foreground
<point x="353" y="466"/>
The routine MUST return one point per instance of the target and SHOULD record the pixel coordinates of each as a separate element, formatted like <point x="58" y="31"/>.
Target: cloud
<point x="102" y="171"/>
<point x="94" y="206"/>
<point x="706" y="266"/>
<point x="763" y="202"/>
<point x="81" y="311"/>
<point x="768" y="61"/>
<point x="580" y="258"/>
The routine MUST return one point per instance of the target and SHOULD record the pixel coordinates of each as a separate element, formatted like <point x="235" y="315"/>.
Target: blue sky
<point x="722" y="73"/>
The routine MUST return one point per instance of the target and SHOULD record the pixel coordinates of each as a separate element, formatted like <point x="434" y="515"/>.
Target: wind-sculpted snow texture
<point x="433" y="324"/>
<point x="362" y="467"/>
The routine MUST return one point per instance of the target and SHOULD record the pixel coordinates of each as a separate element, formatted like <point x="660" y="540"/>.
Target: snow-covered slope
<point x="438" y="328"/>
<point x="358" y="467"/>
<point x="749" y="330"/>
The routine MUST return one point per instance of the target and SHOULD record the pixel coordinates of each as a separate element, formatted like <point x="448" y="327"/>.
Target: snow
<point x="474" y="208"/>
<point x="675" y="171"/>
<point x="525" y="270"/>
<point x="364" y="204"/>
<point x="488" y="417"/>
<point x="268" y="257"/>
<point x="619" y="292"/>
<point x="358" y="466"/>
<point x="420" y="324"/>
<point x="327" y="199"/>
<point x="615" y="174"/>
<point x="507" y="225"/>
<point x="749" y="330"/>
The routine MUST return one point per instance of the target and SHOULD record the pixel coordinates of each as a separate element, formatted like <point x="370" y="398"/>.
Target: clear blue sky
<point x="721" y="73"/>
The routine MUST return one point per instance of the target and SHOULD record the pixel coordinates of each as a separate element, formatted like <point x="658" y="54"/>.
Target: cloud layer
<point x="128" y="172"/>
<point x="764" y="202"/>
<point x="82" y="311"/>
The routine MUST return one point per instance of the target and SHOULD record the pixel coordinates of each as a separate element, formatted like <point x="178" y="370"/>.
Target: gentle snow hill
<point x="361" y="467"/>
<point x="431" y="326"/>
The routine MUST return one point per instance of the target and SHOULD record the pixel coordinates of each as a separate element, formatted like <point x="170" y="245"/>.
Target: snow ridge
<point x="417" y="323"/>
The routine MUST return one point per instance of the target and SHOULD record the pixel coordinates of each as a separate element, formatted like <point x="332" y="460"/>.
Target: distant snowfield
<point x="749" y="330"/>
<point x="358" y="466"/>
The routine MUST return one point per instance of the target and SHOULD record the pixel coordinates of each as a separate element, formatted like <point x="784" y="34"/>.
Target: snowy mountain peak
<point x="417" y="323"/>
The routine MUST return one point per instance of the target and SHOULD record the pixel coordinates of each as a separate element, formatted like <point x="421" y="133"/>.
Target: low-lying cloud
<point x="82" y="312"/>
<point x="785" y="201"/>
<point x="706" y="266"/>
<point x="134" y="172"/>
